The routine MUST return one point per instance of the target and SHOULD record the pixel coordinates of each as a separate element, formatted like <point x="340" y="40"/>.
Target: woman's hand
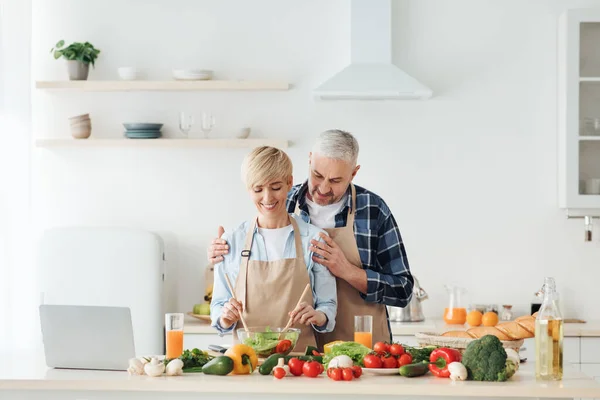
<point x="306" y="315"/>
<point x="230" y="313"/>
<point x="217" y="248"/>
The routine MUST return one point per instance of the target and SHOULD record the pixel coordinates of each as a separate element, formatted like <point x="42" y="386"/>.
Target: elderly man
<point x="364" y="250"/>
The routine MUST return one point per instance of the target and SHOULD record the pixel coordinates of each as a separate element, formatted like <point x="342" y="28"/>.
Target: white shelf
<point x="163" y="142"/>
<point x="589" y="138"/>
<point x="125" y="86"/>
<point x="589" y="79"/>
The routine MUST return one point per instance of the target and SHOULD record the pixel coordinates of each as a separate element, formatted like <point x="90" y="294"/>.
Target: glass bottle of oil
<point x="549" y="335"/>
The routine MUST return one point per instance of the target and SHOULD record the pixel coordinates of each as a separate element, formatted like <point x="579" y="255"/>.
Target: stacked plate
<point x="192" y="74"/>
<point x="142" y="130"/>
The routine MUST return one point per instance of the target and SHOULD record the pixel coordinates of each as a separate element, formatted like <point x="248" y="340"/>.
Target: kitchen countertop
<point x="591" y="329"/>
<point x="21" y="373"/>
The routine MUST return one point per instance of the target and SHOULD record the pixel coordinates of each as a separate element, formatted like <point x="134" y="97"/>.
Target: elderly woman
<point x="269" y="262"/>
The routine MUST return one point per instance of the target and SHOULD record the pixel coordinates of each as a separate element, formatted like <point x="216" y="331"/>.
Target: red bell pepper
<point x="440" y="359"/>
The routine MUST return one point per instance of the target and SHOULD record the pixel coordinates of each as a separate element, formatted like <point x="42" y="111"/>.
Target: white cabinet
<point x="590" y="350"/>
<point x="571" y="350"/>
<point x="579" y="112"/>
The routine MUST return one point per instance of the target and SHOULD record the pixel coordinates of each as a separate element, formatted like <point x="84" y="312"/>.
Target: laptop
<point x="87" y="337"/>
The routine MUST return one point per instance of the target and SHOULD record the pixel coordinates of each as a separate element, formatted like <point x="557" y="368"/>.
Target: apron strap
<point x="299" y="252"/>
<point x="246" y="252"/>
<point x="352" y="210"/>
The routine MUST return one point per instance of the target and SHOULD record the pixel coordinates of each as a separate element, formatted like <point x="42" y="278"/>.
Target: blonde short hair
<point x="265" y="164"/>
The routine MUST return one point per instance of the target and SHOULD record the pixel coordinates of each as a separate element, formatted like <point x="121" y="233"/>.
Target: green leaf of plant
<point x="60" y="43"/>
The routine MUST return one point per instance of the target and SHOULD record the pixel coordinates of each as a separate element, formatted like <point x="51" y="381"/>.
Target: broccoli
<point x="485" y="360"/>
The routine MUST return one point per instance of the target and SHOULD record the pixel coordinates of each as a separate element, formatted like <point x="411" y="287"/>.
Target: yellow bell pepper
<point x="244" y="359"/>
<point x="327" y="347"/>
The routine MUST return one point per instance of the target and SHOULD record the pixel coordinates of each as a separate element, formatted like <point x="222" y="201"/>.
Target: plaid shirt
<point x="382" y="252"/>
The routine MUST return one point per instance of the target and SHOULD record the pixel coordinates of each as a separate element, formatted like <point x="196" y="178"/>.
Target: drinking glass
<point x="207" y="123"/>
<point x="174" y="335"/>
<point x="185" y="123"/>
<point x="363" y="330"/>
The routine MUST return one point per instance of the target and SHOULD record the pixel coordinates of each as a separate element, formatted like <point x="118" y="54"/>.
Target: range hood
<point x="371" y="74"/>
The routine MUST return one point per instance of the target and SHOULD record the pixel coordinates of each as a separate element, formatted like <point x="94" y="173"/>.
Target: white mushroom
<point x="458" y="372"/>
<point x="174" y="367"/>
<point x="136" y="367"/>
<point x="155" y="367"/>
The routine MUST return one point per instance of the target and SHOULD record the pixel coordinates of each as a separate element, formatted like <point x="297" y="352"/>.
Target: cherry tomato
<point x="347" y="374"/>
<point x="396" y="349"/>
<point x="404" y="359"/>
<point x="296" y="366"/>
<point x="322" y="368"/>
<point x="389" y="362"/>
<point x="279" y="372"/>
<point x="335" y="374"/>
<point x="372" y="361"/>
<point x="283" y="346"/>
<point x="381" y="348"/>
<point x="312" y="369"/>
<point x="356" y="371"/>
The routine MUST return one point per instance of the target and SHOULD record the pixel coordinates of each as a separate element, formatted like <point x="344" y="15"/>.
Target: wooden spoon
<point x="230" y="286"/>
<point x="306" y="289"/>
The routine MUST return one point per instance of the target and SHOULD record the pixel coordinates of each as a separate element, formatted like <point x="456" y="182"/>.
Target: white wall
<point x="470" y="174"/>
<point x="17" y="294"/>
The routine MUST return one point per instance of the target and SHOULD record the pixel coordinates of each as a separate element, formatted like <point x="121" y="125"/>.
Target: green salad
<point x="264" y="343"/>
<point x="355" y="351"/>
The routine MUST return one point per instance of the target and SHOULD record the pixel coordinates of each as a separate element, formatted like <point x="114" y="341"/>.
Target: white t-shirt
<point x="324" y="216"/>
<point x="275" y="240"/>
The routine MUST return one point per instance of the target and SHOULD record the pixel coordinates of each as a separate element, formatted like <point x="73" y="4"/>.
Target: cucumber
<point x="309" y="350"/>
<point x="270" y="363"/>
<point x="416" y="369"/>
<point x="221" y="365"/>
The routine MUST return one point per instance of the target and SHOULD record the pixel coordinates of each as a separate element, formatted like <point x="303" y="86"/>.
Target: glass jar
<point x="507" y="314"/>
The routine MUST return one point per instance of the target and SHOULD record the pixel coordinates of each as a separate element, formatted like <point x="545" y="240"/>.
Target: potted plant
<point x="79" y="56"/>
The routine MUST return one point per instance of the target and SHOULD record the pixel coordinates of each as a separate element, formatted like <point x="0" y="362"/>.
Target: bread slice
<point x="481" y="331"/>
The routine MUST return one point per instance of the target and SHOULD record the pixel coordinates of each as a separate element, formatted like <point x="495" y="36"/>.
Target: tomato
<point x="335" y="374"/>
<point x="322" y="368"/>
<point x="312" y="369"/>
<point x="404" y="359"/>
<point x="347" y="374"/>
<point x="396" y="349"/>
<point x="296" y="366"/>
<point x="283" y="346"/>
<point x="278" y="372"/>
<point x="389" y="362"/>
<point x="372" y="361"/>
<point x="381" y="348"/>
<point x="356" y="371"/>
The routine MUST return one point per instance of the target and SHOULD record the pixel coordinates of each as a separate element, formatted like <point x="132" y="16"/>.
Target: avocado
<point x="221" y="365"/>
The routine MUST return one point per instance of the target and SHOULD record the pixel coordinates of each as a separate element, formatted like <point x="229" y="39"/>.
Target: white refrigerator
<point x="108" y="267"/>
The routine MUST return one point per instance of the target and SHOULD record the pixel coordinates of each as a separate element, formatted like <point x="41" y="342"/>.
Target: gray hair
<point x="337" y="144"/>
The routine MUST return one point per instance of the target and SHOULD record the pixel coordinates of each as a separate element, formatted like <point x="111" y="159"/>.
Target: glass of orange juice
<point x="363" y="330"/>
<point x="174" y="335"/>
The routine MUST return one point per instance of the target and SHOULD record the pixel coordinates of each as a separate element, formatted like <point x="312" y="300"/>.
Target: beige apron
<point x="271" y="289"/>
<point x="349" y="301"/>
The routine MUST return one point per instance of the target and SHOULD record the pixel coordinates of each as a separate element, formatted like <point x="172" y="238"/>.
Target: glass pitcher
<point x="455" y="313"/>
